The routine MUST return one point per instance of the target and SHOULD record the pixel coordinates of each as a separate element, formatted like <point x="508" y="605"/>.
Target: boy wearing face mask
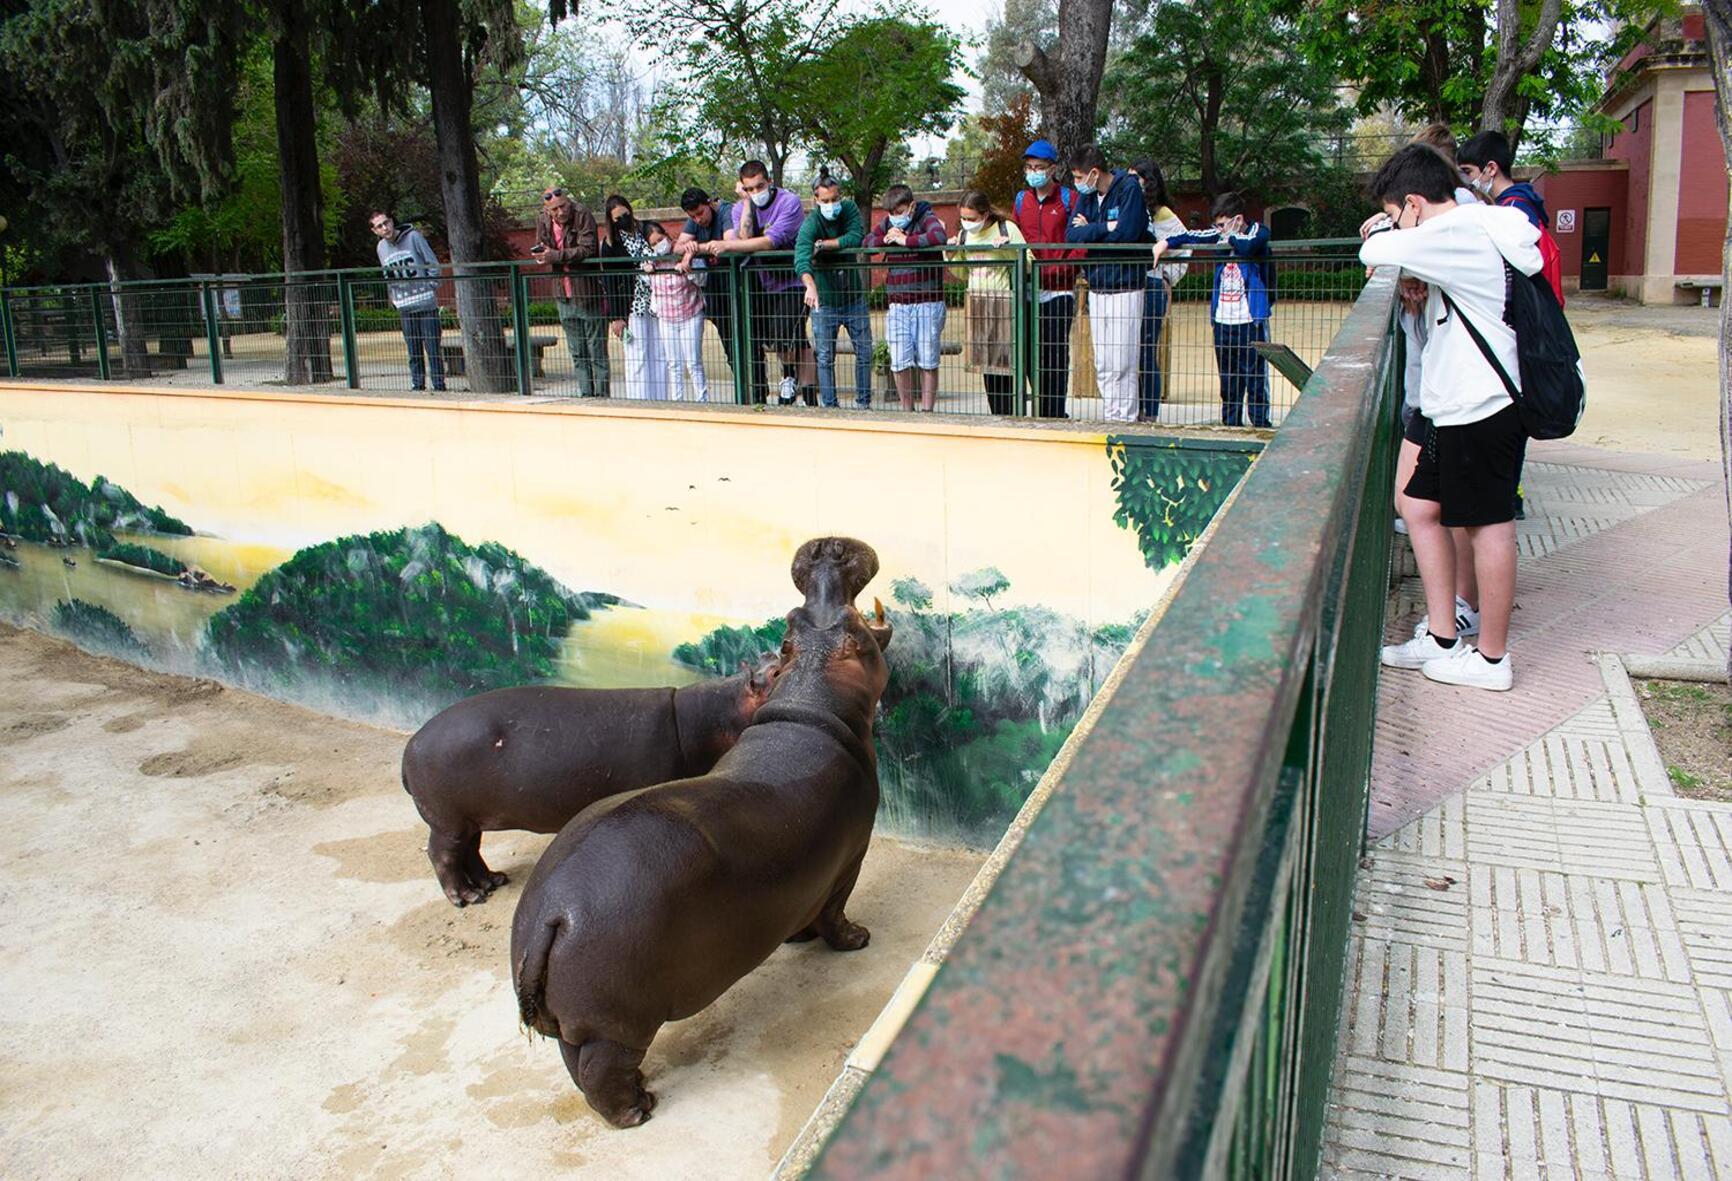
<point x="1043" y="212"/>
<point x="1485" y="162"/>
<point x="1110" y="210"/>
<point x="914" y="324"/>
<point x="834" y="291"/>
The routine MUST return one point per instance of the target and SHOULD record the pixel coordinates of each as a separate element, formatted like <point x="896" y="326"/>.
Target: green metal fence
<point x="1152" y="986"/>
<point x="999" y="333"/>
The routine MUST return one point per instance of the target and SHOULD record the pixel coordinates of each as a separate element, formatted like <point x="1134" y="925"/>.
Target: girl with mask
<point x="984" y="238"/>
<point x="677" y="299"/>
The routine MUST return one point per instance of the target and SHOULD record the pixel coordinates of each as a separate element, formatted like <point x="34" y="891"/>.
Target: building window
<point x="1636" y="119"/>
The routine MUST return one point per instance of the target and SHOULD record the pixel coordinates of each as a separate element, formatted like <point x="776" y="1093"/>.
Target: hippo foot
<point x="847" y="936"/>
<point x="637" y="1113"/>
<point x="472" y="890"/>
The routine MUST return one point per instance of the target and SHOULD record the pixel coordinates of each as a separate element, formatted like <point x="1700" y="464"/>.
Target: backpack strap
<point x="1484" y="348"/>
<point x="1068" y="196"/>
<point x="1020" y="193"/>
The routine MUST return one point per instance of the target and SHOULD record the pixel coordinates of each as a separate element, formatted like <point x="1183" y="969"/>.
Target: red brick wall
<point x="1637" y="148"/>
<point x="1702" y="191"/>
<point x="1581" y="190"/>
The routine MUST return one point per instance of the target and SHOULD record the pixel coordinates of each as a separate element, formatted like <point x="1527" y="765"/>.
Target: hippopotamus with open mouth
<point x="648" y="906"/>
<point x="532" y="758"/>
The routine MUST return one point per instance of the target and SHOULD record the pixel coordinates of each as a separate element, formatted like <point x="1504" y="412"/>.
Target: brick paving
<point x="1540" y="980"/>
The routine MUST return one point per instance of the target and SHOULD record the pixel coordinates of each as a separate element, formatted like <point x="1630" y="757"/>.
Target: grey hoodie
<point x="412" y="270"/>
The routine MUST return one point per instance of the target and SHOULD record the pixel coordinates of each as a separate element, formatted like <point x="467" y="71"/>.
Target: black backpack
<point x="1552" y="395"/>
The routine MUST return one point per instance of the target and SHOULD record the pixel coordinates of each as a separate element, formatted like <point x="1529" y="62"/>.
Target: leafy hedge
<point x="1168" y="494"/>
<point x="1294" y="280"/>
<point x="97" y="628"/>
<point x="144" y="556"/>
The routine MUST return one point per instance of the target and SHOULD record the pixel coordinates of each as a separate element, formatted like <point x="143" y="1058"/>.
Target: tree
<point x="880" y="81"/>
<point x="733" y="62"/>
<point x="981" y="584"/>
<point x="1488" y="65"/>
<point x="1017" y="21"/>
<point x="999" y="173"/>
<point x="1068" y="79"/>
<point x="1222" y="91"/>
<point x="1719" y="20"/>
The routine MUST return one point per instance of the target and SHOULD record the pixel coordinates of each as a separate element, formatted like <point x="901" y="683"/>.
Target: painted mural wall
<point x="380" y="559"/>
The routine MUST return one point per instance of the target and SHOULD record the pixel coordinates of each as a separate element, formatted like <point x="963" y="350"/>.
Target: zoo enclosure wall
<point x="1003" y="345"/>
<point x="1152" y="986"/>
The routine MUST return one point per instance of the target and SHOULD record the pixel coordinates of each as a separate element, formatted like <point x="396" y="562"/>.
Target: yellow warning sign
<point x="1594" y="257"/>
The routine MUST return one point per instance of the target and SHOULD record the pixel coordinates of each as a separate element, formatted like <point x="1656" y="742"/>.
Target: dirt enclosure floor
<point x="224" y="954"/>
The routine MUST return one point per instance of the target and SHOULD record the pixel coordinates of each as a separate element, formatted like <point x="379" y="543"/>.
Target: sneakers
<point x="1401" y="526"/>
<point x="789" y="392"/>
<point x="1466" y="620"/>
<point x="1416" y="652"/>
<point x="1463" y="665"/>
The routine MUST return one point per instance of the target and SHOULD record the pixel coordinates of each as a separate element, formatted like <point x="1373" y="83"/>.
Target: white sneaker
<point x="1466" y="620"/>
<point x="1400" y="526"/>
<point x="790" y="391"/>
<point x="1463" y="665"/>
<point x="1414" y="653"/>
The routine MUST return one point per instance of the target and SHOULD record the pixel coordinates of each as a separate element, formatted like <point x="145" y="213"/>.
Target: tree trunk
<point x="306" y="317"/>
<point x="1719" y="20"/>
<point x="129" y="317"/>
<point x="1515" y="61"/>
<point x="486" y="360"/>
<point x="1207" y="126"/>
<point x="1070" y="84"/>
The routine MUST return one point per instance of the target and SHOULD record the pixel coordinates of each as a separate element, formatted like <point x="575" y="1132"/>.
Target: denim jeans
<point x="421" y="334"/>
<point x="1155" y="305"/>
<point x="1244" y="373"/>
<point x="826" y="321"/>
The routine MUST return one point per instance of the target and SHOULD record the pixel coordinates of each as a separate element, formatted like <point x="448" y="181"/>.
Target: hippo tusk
<point x="878" y="610"/>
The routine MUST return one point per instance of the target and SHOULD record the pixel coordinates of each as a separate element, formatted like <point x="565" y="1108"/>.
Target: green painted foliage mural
<point x="43" y="502"/>
<point x="143" y="557"/>
<point x="1168" y="494"/>
<point x="979" y="700"/>
<point x="98" y="629"/>
<point x="417" y="610"/>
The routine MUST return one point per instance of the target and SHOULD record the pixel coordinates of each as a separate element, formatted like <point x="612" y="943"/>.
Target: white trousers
<point x="1116" y="326"/>
<point x="646" y="372"/>
<point x="683" y="348"/>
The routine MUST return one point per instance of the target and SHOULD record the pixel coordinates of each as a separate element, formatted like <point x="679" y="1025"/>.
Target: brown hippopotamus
<point x="533" y="758"/>
<point x="650" y="905"/>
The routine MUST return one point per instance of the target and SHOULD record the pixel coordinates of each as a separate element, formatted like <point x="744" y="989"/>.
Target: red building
<point x="1650" y="218"/>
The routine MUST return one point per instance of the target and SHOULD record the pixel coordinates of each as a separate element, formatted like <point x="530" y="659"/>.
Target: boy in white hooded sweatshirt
<point x="1468" y="467"/>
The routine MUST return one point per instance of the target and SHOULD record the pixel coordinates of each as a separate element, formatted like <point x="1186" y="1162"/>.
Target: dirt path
<point x="224" y="954"/>
<point x="1653" y="377"/>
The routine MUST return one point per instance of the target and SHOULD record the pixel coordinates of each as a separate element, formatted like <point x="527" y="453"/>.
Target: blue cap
<point x="1040" y="149"/>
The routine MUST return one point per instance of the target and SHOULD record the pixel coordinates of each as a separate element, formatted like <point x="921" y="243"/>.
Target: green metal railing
<point x="1152" y="986"/>
<point x="338" y="328"/>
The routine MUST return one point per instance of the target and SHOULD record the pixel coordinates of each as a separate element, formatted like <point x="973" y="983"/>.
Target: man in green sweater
<point x="834" y="288"/>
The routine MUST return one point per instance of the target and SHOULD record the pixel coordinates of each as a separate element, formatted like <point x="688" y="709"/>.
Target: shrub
<point x="143" y="556"/>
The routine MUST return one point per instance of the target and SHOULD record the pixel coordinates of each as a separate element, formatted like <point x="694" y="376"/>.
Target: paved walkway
<point x="1540" y="982"/>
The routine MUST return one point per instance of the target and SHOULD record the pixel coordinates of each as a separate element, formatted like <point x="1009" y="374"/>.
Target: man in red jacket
<point x="1043" y="213"/>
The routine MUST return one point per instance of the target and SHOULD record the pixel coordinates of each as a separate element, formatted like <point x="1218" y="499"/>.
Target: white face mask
<point x="761" y="198"/>
<point x="830" y="209"/>
<point x="972" y="227"/>
<point x="1482" y="185"/>
<point x="662" y="246"/>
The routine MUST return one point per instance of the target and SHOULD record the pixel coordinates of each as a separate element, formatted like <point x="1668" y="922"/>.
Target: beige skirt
<point x="989" y="332"/>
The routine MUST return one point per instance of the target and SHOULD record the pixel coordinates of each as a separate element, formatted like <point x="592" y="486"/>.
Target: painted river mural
<point x="390" y="625"/>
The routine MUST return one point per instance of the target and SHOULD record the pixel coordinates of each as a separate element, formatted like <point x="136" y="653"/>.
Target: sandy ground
<point x="1653" y="376"/>
<point x="224" y="954"/>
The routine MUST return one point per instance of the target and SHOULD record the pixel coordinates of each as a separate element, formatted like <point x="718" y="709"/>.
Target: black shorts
<point x="1416" y="429"/>
<point x="1472" y="471"/>
<point x="779" y="320"/>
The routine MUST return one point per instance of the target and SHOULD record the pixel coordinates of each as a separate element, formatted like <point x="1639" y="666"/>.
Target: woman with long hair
<point x="635" y="323"/>
<point x="1157" y="346"/>
<point x="984" y="238"/>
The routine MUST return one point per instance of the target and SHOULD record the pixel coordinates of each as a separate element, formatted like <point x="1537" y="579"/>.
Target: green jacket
<point x="838" y="285"/>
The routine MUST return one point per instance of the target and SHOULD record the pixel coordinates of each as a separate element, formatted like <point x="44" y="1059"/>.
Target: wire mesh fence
<point x="1037" y="332"/>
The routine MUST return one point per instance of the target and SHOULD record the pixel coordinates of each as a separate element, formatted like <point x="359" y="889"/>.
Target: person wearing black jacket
<point x="1111" y="211"/>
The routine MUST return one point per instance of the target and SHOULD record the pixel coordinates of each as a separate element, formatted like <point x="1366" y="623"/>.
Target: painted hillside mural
<point x="392" y="625"/>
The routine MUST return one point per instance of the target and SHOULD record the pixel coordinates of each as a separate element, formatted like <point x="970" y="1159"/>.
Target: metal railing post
<point x="1019" y="326"/>
<point x="738" y="285"/>
<point x="520" y="315"/>
<point x="74" y="355"/>
<point x="8" y="333"/>
<point x="102" y="366"/>
<point x="212" y="335"/>
<point x="346" y="321"/>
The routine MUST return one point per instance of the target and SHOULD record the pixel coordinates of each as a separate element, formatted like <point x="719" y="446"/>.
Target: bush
<point x="1296" y="279"/>
<point x="143" y="556"/>
<point x="97" y="628"/>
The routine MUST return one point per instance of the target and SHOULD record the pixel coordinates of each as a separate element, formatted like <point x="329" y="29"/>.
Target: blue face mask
<point x="1084" y="188"/>
<point x="1035" y="179"/>
<point x="901" y="220"/>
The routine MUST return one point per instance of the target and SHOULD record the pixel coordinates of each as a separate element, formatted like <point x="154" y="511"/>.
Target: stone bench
<point x="451" y="349"/>
<point x="1706" y="286"/>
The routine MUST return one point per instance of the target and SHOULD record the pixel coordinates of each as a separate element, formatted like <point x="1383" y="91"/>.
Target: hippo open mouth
<point x="830" y="572"/>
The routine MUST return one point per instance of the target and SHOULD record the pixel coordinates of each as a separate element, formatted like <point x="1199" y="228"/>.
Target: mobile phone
<point x="538" y="248"/>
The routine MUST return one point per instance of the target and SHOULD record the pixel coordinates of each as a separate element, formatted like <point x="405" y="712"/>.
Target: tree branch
<point x="1031" y="59"/>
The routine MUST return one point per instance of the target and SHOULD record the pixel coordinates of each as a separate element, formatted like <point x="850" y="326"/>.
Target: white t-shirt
<point x="1231" y="304"/>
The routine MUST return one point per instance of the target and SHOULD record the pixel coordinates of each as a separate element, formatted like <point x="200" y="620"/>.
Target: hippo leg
<point x="607" y="1073"/>
<point x="480" y="876"/>
<point x="451" y="854"/>
<point x="835" y="928"/>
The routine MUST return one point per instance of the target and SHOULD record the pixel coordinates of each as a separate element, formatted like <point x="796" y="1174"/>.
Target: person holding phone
<point x="565" y="240"/>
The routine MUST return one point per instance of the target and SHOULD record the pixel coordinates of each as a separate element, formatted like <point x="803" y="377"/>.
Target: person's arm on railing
<point x="804" y="244"/>
<point x="579" y="238"/>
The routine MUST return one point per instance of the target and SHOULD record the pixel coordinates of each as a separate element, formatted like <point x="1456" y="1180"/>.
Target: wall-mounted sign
<point x="1566" y="223"/>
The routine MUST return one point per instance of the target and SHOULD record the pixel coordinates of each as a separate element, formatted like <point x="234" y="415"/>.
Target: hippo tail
<point x="532" y="978"/>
